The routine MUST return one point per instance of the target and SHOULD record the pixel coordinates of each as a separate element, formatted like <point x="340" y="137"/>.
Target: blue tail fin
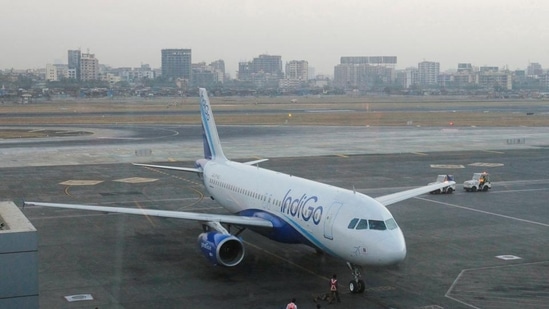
<point x="212" y="144"/>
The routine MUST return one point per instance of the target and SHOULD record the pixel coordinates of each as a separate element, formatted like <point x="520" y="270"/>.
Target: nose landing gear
<point x="356" y="285"/>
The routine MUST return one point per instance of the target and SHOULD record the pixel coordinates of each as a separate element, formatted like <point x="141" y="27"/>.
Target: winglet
<point x="212" y="144"/>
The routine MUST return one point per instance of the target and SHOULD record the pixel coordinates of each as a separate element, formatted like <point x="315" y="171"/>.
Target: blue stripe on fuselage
<point x="284" y="230"/>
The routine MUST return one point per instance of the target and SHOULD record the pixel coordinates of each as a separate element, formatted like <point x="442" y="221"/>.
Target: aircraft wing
<point x="202" y="217"/>
<point x="185" y="169"/>
<point x="404" y="195"/>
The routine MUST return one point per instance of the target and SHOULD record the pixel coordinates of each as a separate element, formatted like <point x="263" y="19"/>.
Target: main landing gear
<point x="356" y="285"/>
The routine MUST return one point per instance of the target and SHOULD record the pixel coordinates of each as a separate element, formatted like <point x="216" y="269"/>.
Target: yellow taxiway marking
<point x="420" y="153"/>
<point x="342" y="156"/>
<point x="493" y="151"/>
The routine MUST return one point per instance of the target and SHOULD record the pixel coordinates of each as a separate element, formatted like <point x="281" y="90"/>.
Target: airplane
<point x="343" y="223"/>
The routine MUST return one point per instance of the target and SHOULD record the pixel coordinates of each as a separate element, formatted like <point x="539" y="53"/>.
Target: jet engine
<point x="221" y="249"/>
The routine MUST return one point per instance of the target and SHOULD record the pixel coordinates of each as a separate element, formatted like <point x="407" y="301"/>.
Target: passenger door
<point x="331" y="214"/>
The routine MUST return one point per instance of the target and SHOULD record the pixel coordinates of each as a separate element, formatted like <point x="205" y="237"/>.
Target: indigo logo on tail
<point x="205" y="109"/>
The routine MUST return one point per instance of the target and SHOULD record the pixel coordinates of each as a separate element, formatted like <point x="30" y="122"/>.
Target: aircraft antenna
<point x="354" y="190"/>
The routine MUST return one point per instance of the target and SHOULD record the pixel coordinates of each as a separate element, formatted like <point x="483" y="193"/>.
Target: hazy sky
<point x="132" y="32"/>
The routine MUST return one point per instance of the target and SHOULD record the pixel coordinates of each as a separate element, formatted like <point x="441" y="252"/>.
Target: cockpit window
<point x="391" y="224"/>
<point x="352" y="224"/>
<point x="376" y="225"/>
<point x="362" y="224"/>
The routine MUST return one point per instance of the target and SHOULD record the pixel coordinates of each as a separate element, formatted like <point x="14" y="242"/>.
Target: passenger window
<point x="362" y="224"/>
<point x="377" y="225"/>
<point x="352" y="224"/>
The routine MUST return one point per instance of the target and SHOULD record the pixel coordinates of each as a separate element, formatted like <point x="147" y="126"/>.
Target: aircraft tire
<point x="357" y="286"/>
<point x="353" y="286"/>
<point x="361" y="286"/>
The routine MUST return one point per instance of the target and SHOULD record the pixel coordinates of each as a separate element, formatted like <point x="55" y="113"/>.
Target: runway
<point x="147" y="143"/>
<point x="465" y="250"/>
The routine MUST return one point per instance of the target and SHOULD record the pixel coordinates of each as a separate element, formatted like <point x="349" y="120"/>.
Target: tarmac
<point x="465" y="250"/>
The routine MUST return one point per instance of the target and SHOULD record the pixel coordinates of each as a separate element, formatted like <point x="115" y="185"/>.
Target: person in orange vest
<point x="291" y="305"/>
<point x="334" y="289"/>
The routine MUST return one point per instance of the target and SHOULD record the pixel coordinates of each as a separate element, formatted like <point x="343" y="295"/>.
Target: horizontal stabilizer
<point x="255" y="162"/>
<point x="404" y="195"/>
<point x="202" y="217"/>
<point x="185" y="169"/>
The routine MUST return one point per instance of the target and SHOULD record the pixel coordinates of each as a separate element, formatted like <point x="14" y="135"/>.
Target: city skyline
<point x="129" y="33"/>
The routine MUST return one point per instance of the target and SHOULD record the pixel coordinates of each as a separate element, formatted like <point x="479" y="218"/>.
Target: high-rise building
<point x="268" y="64"/>
<point x="364" y="72"/>
<point x="219" y="69"/>
<point x="428" y="72"/>
<point x="244" y="70"/>
<point x="177" y="63"/>
<point x="74" y="63"/>
<point x="534" y="69"/>
<point x="371" y="60"/>
<point x="55" y="72"/>
<point x="465" y="67"/>
<point x="51" y="72"/>
<point x="407" y="77"/>
<point x="89" y="67"/>
<point x="203" y="75"/>
<point x="218" y="65"/>
<point x="264" y="71"/>
<point x="298" y="70"/>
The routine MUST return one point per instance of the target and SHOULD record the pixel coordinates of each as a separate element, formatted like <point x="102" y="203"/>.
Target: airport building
<point x="19" y="259"/>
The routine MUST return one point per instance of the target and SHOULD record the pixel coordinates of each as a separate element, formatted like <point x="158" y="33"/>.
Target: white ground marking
<point x="447" y="166"/>
<point x="484" y="212"/>
<point x="81" y="182"/>
<point x="508" y="257"/>
<point x="484" y="164"/>
<point x="136" y="180"/>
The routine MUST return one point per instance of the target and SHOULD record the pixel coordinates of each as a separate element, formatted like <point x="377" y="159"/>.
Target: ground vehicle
<point x="444" y="178"/>
<point x="480" y="182"/>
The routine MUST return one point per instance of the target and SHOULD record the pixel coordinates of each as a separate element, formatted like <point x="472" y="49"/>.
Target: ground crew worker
<point x="334" y="290"/>
<point x="291" y="305"/>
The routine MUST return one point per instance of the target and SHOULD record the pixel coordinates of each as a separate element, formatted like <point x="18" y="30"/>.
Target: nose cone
<point x="392" y="250"/>
<point x="396" y="250"/>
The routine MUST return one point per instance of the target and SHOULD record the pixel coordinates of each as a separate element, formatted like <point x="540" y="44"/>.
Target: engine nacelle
<point x="221" y="249"/>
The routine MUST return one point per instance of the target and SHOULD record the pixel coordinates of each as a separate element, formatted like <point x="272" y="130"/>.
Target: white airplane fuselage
<point x="305" y="211"/>
<point x="285" y="208"/>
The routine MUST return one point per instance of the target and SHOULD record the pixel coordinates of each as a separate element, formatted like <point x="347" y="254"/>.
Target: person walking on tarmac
<point x="291" y="305"/>
<point x="334" y="290"/>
